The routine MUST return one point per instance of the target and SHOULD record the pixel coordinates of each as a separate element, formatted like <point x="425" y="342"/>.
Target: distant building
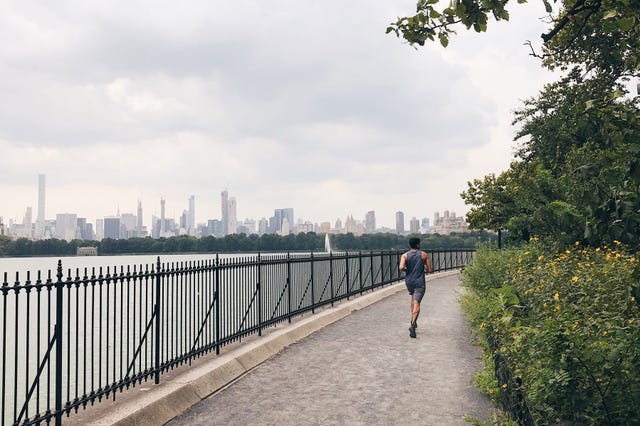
<point x="370" y="222"/>
<point x="247" y="227"/>
<point x="448" y="223"/>
<point x="112" y="227"/>
<point x="99" y="229"/>
<point x="128" y="223"/>
<point x="40" y="227"/>
<point x="27" y="224"/>
<point x="353" y="227"/>
<point x="87" y="251"/>
<point x="66" y="226"/>
<point x="414" y="226"/>
<point x="324" y="228"/>
<point x="191" y="217"/>
<point x="232" y="227"/>
<point x="338" y="228"/>
<point x="399" y="223"/>
<point x="279" y="217"/>
<point x="263" y="226"/>
<point x="304" y="227"/>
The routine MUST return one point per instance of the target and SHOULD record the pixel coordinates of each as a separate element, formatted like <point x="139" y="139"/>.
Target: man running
<point x="415" y="262"/>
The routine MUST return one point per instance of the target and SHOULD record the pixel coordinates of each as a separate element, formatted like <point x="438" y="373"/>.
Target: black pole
<point x="58" y="331"/>
<point x="217" y="295"/>
<point x="158" y="331"/>
<point x="313" y="301"/>
<point x="259" y="296"/>
<point x="289" y="287"/>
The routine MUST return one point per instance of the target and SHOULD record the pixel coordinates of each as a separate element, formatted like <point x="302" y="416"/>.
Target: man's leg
<point x="415" y="312"/>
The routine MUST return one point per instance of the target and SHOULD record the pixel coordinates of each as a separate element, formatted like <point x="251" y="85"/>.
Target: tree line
<point x="239" y="243"/>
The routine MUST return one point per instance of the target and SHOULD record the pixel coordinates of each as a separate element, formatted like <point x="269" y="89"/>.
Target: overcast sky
<point x="286" y="103"/>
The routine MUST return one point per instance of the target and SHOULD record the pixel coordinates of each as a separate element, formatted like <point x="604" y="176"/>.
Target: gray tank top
<point x="415" y="269"/>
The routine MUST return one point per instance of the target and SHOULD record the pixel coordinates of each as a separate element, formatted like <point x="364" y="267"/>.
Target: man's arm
<point x="403" y="262"/>
<point x="427" y="262"/>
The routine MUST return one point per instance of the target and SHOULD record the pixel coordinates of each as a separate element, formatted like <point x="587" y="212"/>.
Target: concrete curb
<point x="157" y="405"/>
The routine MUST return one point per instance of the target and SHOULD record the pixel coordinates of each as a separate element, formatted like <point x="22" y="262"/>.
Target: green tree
<point x="597" y="35"/>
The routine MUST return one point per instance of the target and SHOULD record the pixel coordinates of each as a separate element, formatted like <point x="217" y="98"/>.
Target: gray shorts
<point x="417" y="293"/>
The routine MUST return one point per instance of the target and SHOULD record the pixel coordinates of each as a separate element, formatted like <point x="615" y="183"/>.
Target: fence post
<point x="289" y="285"/>
<point x="158" y="323"/>
<point x="259" y="295"/>
<point x="331" y="276"/>
<point x="347" y="272"/>
<point x="58" y="331"/>
<point x="360" y="266"/>
<point x="313" y="300"/>
<point x="371" y="268"/>
<point x="217" y="295"/>
<point x="381" y="267"/>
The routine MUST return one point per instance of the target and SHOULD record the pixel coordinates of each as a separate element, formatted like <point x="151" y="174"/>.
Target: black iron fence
<point x="71" y="339"/>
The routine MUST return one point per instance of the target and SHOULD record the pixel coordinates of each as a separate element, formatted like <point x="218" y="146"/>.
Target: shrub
<point x="566" y="324"/>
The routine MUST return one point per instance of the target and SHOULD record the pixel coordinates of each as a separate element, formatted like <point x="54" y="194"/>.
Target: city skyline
<point x="315" y="108"/>
<point x="368" y="219"/>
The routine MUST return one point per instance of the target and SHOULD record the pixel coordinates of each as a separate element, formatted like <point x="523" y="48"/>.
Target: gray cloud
<point x="274" y="100"/>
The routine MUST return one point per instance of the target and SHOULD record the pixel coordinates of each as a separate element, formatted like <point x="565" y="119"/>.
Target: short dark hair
<point x="414" y="243"/>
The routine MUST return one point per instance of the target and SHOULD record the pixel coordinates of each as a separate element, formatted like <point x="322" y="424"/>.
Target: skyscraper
<point x="399" y="223"/>
<point x="414" y="225"/>
<point x="112" y="227"/>
<point x="39" y="234"/>
<point x="232" y="226"/>
<point x="27" y="223"/>
<point x="66" y="226"/>
<point x="163" y="228"/>
<point x="139" y="224"/>
<point x="279" y="217"/>
<point x="224" y="207"/>
<point x="191" y="217"/>
<point x="370" y="222"/>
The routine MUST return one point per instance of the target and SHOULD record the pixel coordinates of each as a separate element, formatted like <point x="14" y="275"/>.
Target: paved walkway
<point x="363" y="369"/>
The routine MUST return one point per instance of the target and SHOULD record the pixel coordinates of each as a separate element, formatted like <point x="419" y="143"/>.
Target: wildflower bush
<point x="567" y="326"/>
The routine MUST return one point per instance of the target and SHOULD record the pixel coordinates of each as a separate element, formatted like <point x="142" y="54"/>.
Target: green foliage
<point x="576" y="175"/>
<point x="598" y="36"/>
<point x="567" y="325"/>
<point x="238" y="243"/>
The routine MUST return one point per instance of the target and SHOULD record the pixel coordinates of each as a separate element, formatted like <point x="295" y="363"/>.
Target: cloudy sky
<point x="286" y="103"/>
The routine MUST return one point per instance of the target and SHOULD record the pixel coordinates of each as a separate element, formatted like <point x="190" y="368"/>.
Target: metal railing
<point x="71" y="340"/>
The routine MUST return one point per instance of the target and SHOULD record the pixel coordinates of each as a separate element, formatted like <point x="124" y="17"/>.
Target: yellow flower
<point x="577" y="243"/>
<point x="597" y="249"/>
<point x="633" y="299"/>
<point x="545" y="305"/>
<point x="557" y="308"/>
<point x="616" y="242"/>
<point x="574" y="279"/>
<point x="504" y="386"/>
<point x="556" y="297"/>
<point x="541" y="257"/>
<point x="604" y="333"/>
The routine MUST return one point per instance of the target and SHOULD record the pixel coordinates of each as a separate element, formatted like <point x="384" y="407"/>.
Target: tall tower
<point x="232" y="224"/>
<point x="139" y="222"/>
<point x="399" y="223"/>
<point x="162" y="218"/>
<point x="191" y="216"/>
<point x="224" y="205"/>
<point x="39" y="234"/>
<point x="370" y="222"/>
<point x="27" y="223"/>
<point x="414" y="225"/>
